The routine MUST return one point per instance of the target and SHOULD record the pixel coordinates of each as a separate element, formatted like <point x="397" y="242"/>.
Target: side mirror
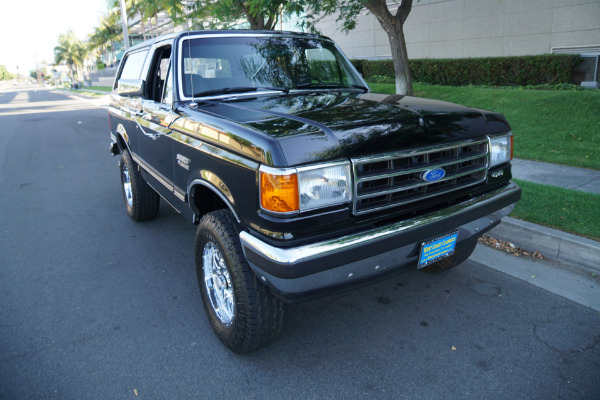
<point x="130" y="87"/>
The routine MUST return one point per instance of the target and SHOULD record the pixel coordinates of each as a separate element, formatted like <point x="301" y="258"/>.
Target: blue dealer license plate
<point x="437" y="249"/>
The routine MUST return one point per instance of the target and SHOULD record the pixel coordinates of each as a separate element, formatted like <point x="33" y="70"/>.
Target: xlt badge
<point x="183" y="161"/>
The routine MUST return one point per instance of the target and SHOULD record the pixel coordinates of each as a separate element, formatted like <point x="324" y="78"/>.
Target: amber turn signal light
<point x="279" y="193"/>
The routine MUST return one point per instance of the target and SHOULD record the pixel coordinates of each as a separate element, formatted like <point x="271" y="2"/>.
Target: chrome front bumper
<point x="298" y="272"/>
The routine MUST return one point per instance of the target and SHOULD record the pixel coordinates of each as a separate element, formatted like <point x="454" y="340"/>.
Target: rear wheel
<point x="141" y="201"/>
<point x="462" y="252"/>
<point x="242" y="312"/>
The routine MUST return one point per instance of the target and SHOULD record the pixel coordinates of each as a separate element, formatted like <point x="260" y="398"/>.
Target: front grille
<point x="390" y="180"/>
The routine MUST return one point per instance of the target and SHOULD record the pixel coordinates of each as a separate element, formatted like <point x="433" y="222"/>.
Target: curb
<point x="552" y="276"/>
<point x="568" y="248"/>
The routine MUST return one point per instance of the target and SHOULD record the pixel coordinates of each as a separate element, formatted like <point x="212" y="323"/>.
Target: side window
<point x="157" y="75"/>
<point x="132" y="66"/>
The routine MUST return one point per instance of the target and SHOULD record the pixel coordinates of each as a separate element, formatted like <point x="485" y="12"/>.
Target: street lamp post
<point x="124" y="24"/>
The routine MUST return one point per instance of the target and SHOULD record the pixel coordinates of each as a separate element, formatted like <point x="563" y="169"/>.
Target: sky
<point x="29" y="29"/>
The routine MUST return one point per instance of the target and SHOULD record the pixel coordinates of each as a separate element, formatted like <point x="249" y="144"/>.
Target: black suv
<point x="302" y="182"/>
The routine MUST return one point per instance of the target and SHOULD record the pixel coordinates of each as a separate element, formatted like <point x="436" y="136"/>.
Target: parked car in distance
<point x="302" y="182"/>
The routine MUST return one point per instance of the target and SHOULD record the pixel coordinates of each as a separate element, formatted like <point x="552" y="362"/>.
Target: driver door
<point x="155" y="144"/>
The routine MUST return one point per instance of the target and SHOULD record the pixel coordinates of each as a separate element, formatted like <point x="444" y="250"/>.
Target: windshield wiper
<point x="214" y="92"/>
<point x="329" y="86"/>
<point x="281" y="89"/>
<point x="243" y="89"/>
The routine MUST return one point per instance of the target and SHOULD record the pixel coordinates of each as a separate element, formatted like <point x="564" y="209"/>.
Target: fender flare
<point x="124" y="138"/>
<point x="228" y="200"/>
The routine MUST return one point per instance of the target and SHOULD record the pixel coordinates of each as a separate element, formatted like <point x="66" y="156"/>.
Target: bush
<point x="358" y="64"/>
<point x="379" y="67"/>
<point x="381" y="79"/>
<point x="492" y="71"/>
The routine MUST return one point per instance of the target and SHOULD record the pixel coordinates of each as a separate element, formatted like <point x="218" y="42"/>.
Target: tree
<point x="175" y="9"/>
<point x="5" y="75"/>
<point x="150" y="8"/>
<point x="135" y="7"/>
<point x="392" y="24"/>
<point x="106" y="34"/>
<point x="260" y="14"/>
<point x="70" y="51"/>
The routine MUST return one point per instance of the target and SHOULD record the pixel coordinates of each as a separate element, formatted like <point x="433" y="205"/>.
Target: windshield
<point x="276" y="63"/>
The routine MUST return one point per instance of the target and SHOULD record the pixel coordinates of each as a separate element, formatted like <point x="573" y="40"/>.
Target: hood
<point x="334" y="125"/>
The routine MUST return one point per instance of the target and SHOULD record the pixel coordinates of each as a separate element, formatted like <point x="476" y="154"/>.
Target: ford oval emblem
<point x="432" y="175"/>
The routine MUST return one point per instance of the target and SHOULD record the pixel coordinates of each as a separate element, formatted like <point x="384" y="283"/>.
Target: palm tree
<point x="106" y="34"/>
<point x="70" y="51"/>
<point x="150" y="8"/>
<point x="135" y="7"/>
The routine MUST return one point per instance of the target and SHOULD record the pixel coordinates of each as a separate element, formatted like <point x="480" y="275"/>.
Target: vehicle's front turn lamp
<point x="289" y="190"/>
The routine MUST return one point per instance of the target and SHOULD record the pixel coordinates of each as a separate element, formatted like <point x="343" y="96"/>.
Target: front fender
<point x="213" y="183"/>
<point x="122" y="138"/>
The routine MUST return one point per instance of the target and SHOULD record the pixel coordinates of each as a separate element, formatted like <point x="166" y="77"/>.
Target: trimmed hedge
<point x="492" y="71"/>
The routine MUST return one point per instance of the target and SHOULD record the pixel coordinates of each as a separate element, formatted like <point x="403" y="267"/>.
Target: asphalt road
<point x="94" y="305"/>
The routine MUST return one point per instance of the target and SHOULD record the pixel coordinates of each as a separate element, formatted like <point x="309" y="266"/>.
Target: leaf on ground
<point x="508" y="247"/>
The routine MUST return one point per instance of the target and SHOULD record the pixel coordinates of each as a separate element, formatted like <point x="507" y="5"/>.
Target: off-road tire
<point x="462" y="252"/>
<point x="141" y="201"/>
<point x="258" y="316"/>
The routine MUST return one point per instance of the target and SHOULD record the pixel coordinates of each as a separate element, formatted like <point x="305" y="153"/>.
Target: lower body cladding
<point x="323" y="268"/>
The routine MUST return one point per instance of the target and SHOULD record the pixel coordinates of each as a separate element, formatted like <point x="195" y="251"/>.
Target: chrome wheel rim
<point x="218" y="283"/>
<point x="127" y="185"/>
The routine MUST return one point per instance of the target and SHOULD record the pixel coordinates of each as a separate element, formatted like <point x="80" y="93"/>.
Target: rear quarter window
<point x="132" y="65"/>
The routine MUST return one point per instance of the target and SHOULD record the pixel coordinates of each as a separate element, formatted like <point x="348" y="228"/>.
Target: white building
<point x="481" y="28"/>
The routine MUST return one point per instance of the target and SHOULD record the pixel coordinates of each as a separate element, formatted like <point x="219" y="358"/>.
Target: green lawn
<point x="561" y="127"/>
<point x="87" y="90"/>
<point x="564" y="209"/>
<point x="86" y="93"/>
<point x="107" y="89"/>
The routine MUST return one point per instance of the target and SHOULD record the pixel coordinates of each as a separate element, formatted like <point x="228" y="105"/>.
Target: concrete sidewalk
<point x="585" y="180"/>
<point x="564" y="247"/>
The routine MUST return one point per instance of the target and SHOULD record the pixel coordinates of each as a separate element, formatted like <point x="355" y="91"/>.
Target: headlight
<point x="300" y="189"/>
<point x="501" y="149"/>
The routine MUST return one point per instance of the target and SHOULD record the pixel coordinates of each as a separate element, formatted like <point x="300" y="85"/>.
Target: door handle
<point x="131" y="111"/>
<point x="151" y="118"/>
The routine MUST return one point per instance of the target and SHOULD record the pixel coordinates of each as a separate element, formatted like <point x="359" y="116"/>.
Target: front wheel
<point x="242" y="312"/>
<point x="141" y="201"/>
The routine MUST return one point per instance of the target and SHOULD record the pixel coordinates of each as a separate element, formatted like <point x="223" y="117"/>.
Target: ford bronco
<point x="302" y="182"/>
